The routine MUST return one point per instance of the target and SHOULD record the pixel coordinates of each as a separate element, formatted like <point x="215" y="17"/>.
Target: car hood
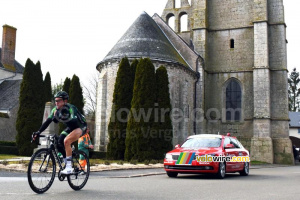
<point x="199" y="151"/>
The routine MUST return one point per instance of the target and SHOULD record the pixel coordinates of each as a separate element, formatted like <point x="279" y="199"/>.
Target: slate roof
<point x="18" y="66"/>
<point x="144" y="38"/>
<point x="294" y="119"/>
<point x="9" y="94"/>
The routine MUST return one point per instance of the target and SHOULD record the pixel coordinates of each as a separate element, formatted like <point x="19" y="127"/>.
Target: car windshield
<point x="202" y="142"/>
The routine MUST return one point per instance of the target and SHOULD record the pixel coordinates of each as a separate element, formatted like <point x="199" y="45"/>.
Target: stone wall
<point x="277" y="47"/>
<point x="275" y="11"/>
<point x="222" y="58"/>
<point x="182" y="85"/>
<point x="215" y="88"/>
<point x="8" y="130"/>
<point x="229" y="14"/>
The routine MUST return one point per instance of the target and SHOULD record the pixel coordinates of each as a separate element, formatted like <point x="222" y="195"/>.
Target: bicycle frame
<point x="52" y="149"/>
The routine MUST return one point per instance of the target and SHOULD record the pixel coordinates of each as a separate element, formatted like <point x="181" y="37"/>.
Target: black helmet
<point x="62" y="94"/>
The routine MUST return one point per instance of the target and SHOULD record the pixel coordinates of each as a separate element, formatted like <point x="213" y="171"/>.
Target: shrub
<point x="106" y="162"/>
<point x="133" y="161"/>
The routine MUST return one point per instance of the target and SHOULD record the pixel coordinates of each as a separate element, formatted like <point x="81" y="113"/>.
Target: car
<point x="208" y="153"/>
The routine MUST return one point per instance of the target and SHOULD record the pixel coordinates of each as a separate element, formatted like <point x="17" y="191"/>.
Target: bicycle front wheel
<point x="81" y="166"/>
<point x="41" y="171"/>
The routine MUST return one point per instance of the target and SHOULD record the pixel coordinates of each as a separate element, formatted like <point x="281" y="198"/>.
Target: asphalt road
<point x="262" y="183"/>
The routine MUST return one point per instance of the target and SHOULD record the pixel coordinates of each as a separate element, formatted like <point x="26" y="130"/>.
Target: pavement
<point x="21" y="167"/>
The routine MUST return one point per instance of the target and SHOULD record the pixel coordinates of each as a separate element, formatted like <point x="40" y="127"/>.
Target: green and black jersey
<point x="69" y="115"/>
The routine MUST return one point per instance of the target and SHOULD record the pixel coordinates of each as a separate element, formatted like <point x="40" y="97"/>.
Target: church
<point x="227" y="72"/>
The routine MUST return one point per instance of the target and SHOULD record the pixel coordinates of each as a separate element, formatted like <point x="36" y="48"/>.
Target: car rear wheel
<point x="245" y="171"/>
<point x="221" y="171"/>
<point x="172" y="174"/>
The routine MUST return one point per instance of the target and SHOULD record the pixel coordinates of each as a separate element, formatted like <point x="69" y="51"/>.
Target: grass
<point x="6" y="156"/>
<point x="255" y="162"/>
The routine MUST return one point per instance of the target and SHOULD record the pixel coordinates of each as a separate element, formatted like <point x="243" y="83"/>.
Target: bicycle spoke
<point x="81" y="166"/>
<point x="41" y="171"/>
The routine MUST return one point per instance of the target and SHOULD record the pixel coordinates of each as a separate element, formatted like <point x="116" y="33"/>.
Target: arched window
<point x="233" y="101"/>
<point x="171" y="20"/>
<point x="183" y="22"/>
<point x="177" y="3"/>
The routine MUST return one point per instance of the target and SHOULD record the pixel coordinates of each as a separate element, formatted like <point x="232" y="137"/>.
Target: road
<point x="262" y="183"/>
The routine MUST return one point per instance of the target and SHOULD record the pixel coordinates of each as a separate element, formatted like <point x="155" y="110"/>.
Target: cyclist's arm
<point x="45" y="125"/>
<point x="48" y="121"/>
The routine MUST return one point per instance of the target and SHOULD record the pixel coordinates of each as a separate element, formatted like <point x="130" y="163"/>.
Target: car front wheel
<point x="172" y="174"/>
<point x="221" y="171"/>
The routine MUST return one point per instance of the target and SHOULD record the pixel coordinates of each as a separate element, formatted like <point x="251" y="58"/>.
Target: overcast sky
<point x="71" y="36"/>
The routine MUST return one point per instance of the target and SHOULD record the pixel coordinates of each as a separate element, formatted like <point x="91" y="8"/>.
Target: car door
<point x="229" y="152"/>
<point x="237" y="151"/>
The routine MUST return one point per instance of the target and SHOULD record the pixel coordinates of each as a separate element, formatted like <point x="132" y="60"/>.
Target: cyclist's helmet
<point x="62" y="94"/>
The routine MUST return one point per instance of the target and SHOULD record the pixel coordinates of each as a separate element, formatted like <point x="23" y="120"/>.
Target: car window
<point x="235" y="143"/>
<point x="202" y="142"/>
<point x="226" y="141"/>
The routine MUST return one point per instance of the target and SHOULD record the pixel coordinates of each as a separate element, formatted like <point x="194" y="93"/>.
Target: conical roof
<point x="144" y="38"/>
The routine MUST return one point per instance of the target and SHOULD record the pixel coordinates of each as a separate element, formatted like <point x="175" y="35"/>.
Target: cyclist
<point x="75" y="122"/>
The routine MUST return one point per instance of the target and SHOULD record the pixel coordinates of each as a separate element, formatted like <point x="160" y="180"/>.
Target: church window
<point x="171" y="20"/>
<point x="233" y="101"/>
<point x="177" y="3"/>
<point x="183" y="22"/>
<point x="232" y="43"/>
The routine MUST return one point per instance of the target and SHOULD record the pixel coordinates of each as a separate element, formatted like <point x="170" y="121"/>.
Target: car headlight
<point x="168" y="156"/>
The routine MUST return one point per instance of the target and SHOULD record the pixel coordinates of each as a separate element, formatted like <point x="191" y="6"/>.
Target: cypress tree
<point x="66" y="88"/>
<point x="133" y="66"/>
<point x="75" y="93"/>
<point x="139" y="128"/>
<point x="31" y="101"/>
<point x="163" y="124"/>
<point x="121" y="100"/>
<point x="47" y="88"/>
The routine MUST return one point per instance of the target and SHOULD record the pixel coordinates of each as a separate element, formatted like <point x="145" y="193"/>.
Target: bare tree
<point x="90" y="92"/>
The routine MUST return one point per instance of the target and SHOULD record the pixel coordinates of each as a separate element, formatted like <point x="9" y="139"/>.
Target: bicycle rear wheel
<point x="41" y="171"/>
<point x="80" y="176"/>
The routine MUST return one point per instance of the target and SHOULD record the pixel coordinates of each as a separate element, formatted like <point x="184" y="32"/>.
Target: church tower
<point x="243" y="45"/>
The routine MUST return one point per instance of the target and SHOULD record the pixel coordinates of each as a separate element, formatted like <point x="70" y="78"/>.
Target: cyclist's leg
<point x="72" y="137"/>
<point x="61" y="146"/>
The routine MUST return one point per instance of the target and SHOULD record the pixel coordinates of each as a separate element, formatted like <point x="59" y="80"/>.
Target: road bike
<point x="42" y="167"/>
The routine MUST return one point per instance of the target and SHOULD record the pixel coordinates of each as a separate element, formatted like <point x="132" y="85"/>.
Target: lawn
<point x="6" y="156"/>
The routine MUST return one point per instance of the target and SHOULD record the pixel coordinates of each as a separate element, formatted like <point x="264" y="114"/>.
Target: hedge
<point x="7" y="143"/>
<point x="11" y="150"/>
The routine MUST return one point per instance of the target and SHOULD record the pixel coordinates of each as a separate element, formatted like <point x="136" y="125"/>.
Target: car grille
<point x="184" y="167"/>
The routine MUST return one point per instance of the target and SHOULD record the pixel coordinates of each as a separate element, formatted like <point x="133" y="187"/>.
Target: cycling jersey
<point x="74" y="119"/>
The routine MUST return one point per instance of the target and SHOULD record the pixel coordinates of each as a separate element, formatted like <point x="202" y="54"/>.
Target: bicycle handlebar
<point x="50" y="137"/>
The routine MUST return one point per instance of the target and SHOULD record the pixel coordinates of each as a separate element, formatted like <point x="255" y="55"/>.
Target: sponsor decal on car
<point x="185" y="158"/>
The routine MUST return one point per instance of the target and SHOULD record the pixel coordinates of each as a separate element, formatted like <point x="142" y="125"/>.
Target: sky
<point x="71" y="36"/>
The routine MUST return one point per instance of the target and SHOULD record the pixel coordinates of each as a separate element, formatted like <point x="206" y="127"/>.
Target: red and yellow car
<point x="208" y="153"/>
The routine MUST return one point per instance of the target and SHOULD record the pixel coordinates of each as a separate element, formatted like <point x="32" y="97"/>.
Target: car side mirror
<point x="177" y="146"/>
<point x="229" y="146"/>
